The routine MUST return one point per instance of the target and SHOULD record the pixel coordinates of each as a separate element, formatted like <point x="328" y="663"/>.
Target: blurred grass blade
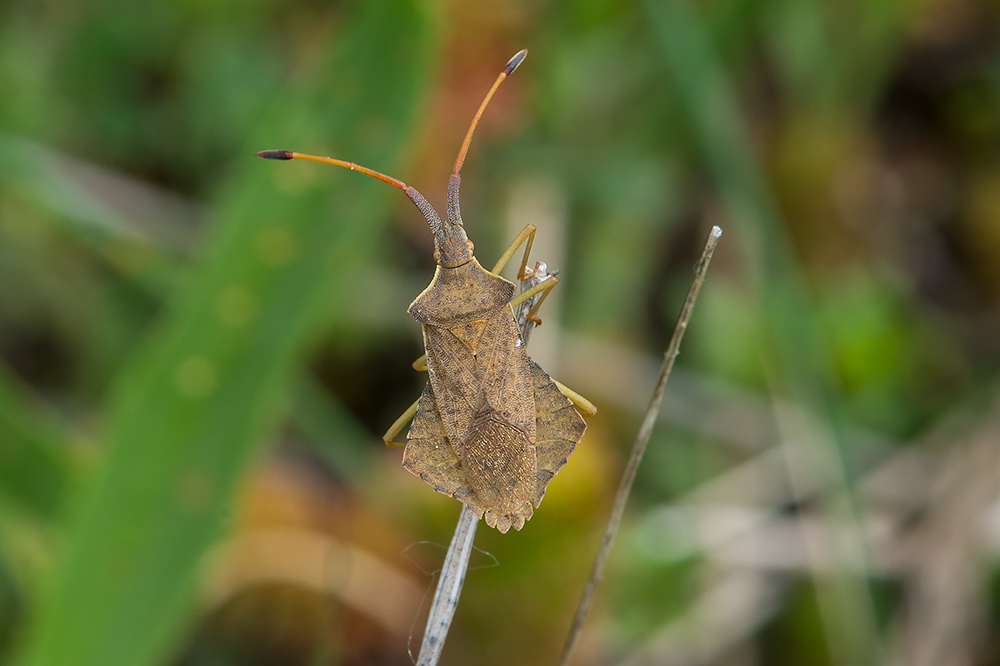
<point x="81" y="194"/>
<point x="193" y="408"/>
<point x="34" y="470"/>
<point x="796" y="352"/>
<point x="332" y="432"/>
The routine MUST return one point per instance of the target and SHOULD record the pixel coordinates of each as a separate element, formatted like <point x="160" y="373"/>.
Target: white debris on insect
<point x="518" y="343"/>
<point x="541" y="270"/>
<point x="532" y="278"/>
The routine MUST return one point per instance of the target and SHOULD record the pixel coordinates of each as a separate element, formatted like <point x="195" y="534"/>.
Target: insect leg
<point x="527" y="234"/>
<point x="546" y="287"/>
<point x="577" y="399"/>
<point x="397" y="427"/>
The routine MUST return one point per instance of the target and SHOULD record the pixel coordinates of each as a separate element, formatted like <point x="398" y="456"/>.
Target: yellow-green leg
<point x="582" y="403"/>
<point x="546" y="286"/>
<point x="397" y="427"/>
<point x="527" y="234"/>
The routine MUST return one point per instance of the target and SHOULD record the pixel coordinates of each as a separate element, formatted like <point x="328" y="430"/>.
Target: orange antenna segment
<point x="289" y="155"/>
<point x="507" y="71"/>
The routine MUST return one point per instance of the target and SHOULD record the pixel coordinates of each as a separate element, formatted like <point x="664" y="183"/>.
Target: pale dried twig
<point x="449" y="588"/>
<point x="944" y="614"/>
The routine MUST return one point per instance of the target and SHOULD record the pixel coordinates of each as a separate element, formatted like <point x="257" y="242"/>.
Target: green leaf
<point x="196" y="405"/>
<point x="34" y="470"/>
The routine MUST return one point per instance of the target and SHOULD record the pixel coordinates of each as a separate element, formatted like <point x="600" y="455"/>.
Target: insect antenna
<point x="507" y="71"/>
<point x="418" y="199"/>
<point x="289" y="155"/>
<point x="451" y="244"/>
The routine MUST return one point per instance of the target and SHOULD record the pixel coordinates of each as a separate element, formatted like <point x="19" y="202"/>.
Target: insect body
<point x="491" y="428"/>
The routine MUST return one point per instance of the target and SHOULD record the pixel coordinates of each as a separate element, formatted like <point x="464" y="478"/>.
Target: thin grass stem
<point x="638" y="449"/>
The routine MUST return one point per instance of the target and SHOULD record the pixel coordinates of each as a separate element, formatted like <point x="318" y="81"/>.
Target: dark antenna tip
<point x="515" y="61"/>
<point x="276" y="154"/>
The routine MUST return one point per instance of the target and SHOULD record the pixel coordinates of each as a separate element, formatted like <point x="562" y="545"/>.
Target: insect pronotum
<point x="491" y="428"/>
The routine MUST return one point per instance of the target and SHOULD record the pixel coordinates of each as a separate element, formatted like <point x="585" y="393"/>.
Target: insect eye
<point x="469" y="245"/>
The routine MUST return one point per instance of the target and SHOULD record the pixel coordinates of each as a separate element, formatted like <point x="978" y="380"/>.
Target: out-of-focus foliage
<point x="200" y="350"/>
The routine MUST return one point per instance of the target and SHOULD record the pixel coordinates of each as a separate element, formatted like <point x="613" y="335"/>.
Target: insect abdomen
<point x="500" y="467"/>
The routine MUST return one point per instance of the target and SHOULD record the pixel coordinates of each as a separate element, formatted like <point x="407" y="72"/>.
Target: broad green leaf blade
<point x="196" y="405"/>
<point x="34" y="469"/>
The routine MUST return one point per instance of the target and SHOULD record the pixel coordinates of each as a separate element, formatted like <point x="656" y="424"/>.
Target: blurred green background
<point x="199" y="351"/>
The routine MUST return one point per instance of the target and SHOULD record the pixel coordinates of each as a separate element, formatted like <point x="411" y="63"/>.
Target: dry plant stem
<point x="639" y="448"/>
<point x="449" y="588"/>
<point x="456" y="562"/>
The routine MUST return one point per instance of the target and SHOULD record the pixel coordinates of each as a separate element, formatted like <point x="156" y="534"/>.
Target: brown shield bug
<point x="491" y="427"/>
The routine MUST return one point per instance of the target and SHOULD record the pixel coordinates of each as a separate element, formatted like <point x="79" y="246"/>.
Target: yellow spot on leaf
<point x="275" y="246"/>
<point x="194" y="491"/>
<point x="196" y="377"/>
<point x="236" y="305"/>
